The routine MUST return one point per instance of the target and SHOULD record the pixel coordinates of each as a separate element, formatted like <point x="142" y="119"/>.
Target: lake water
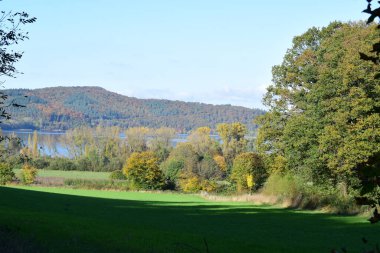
<point x="49" y="142"/>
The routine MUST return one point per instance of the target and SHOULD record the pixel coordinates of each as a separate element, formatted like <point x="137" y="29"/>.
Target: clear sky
<point x="212" y="51"/>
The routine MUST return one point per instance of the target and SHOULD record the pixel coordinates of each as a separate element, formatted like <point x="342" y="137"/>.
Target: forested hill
<point x="66" y="107"/>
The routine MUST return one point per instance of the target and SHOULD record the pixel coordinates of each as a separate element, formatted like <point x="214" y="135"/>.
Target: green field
<point x="67" y="220"/>
<point x="70" y="174"/>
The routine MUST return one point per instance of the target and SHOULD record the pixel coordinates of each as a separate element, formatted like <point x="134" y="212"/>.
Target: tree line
<point x="147" y="158"/>
<point x="65" y="108"/>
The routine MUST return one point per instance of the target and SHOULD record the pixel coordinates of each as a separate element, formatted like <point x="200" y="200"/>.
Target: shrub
<point x="304" y="194"/>
<point x="40" y="163"/>
<point x="114" y="164"/>
<point x="283" y="185"/>
<point x="16" y="161"/>
<point x="60" y="163"/>
<point x="190" y="184"/>
<point x="28" y="174"/>
<point x="96" y="184"/>
<point x="117" y="175"/>
<point x="84" y="164"/>
<point x="225" y="188"/>
<point x="208" y="186"/>
<point x="143" y="170"/>
<point x="6" y="173"/>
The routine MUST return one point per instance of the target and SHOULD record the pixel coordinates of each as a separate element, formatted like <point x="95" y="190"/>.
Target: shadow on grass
<point x="68" y="223"/>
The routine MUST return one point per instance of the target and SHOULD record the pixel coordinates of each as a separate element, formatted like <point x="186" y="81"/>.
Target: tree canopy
<point x="324" y="105"/>
<point x="11" y="33"/>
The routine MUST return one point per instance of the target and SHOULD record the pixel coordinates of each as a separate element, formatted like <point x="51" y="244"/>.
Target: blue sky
<point x="212" y="51"/>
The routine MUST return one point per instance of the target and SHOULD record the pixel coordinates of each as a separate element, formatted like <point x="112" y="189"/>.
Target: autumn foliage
<point x="142" y="169"/>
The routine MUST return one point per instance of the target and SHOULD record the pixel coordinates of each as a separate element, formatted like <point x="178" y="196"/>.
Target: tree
<point x="324" y="120"/>
<point x="161" y="137"/>
<point x="142" y="168"/>
<point x="35" y="151"/>
<point x="137" y="138"/>
<point x="28" y="174"/>
<point x="6" y="173"/>
<point x="248" y="171"/>
<point x="181" y="163"/>
<point x="76" y="140"/>
<point x="201" y="141"/>
<point x="372" y="179"/>
<point x="374" y="13"/>
<point x="160" y="141"/>
<point x="10" y="34"/>
<point x="171" y="169"/>
<point x="233" y="139"/>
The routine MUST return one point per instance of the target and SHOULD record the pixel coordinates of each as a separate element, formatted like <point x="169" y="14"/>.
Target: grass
<point x="70" y="174"/>
<point x="68" y="220"/>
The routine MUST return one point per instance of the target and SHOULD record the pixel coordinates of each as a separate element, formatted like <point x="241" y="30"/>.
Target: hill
<point x="61" y="108"/>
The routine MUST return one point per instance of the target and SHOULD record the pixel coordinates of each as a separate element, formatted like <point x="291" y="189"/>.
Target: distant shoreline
<point x="30" y="131"/>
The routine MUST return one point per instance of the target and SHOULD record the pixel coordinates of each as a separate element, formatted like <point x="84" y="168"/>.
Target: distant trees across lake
<point x="63" y="108"/>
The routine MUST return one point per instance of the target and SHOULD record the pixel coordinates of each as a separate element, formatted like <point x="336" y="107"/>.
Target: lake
<point x="49" y="142"/>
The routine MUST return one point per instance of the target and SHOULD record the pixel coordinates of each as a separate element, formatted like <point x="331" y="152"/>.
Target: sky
<point x="210" y="51"/>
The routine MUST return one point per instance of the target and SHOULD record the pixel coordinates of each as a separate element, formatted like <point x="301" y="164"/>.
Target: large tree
<point x="324" y="105"/>
<point x="11" y="33"/>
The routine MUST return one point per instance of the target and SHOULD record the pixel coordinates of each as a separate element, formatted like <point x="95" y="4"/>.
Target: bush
<point x="190" y="184"/>
<point x="282" y="185"/>
<point x="16" y="161"/>
<point x="117" y="175"/>
<point x="225" y="188"/>
<point x="40" y="163"/>
<point x="6" y="173"/>
<point x="28" y="174"/>
<point x="60" y="163"/>
<point x="114" y="165"/>
<point x="84" y="164"/>
<point x="303" y="194"/>
<point x="96" y="184"/>
<point x="208" y="185"/>
<point x="142" y="169"/>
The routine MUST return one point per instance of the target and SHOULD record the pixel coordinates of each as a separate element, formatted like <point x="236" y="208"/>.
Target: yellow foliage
<point x="208" y="186"/>
<point x="143" y="169"/>
<point x="221" y="162"/>
<point x="200" y="140"/>
<point x="191" y="184"/>
<point x="247" y="167"/>
<point x="28" y="174"/>
<point x="278" y="165"/>
<point x="250" y="182"/>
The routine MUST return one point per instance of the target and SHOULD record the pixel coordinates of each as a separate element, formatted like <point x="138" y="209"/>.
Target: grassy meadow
<point x="67" y="220"/>
<point x="69" y="174"/>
